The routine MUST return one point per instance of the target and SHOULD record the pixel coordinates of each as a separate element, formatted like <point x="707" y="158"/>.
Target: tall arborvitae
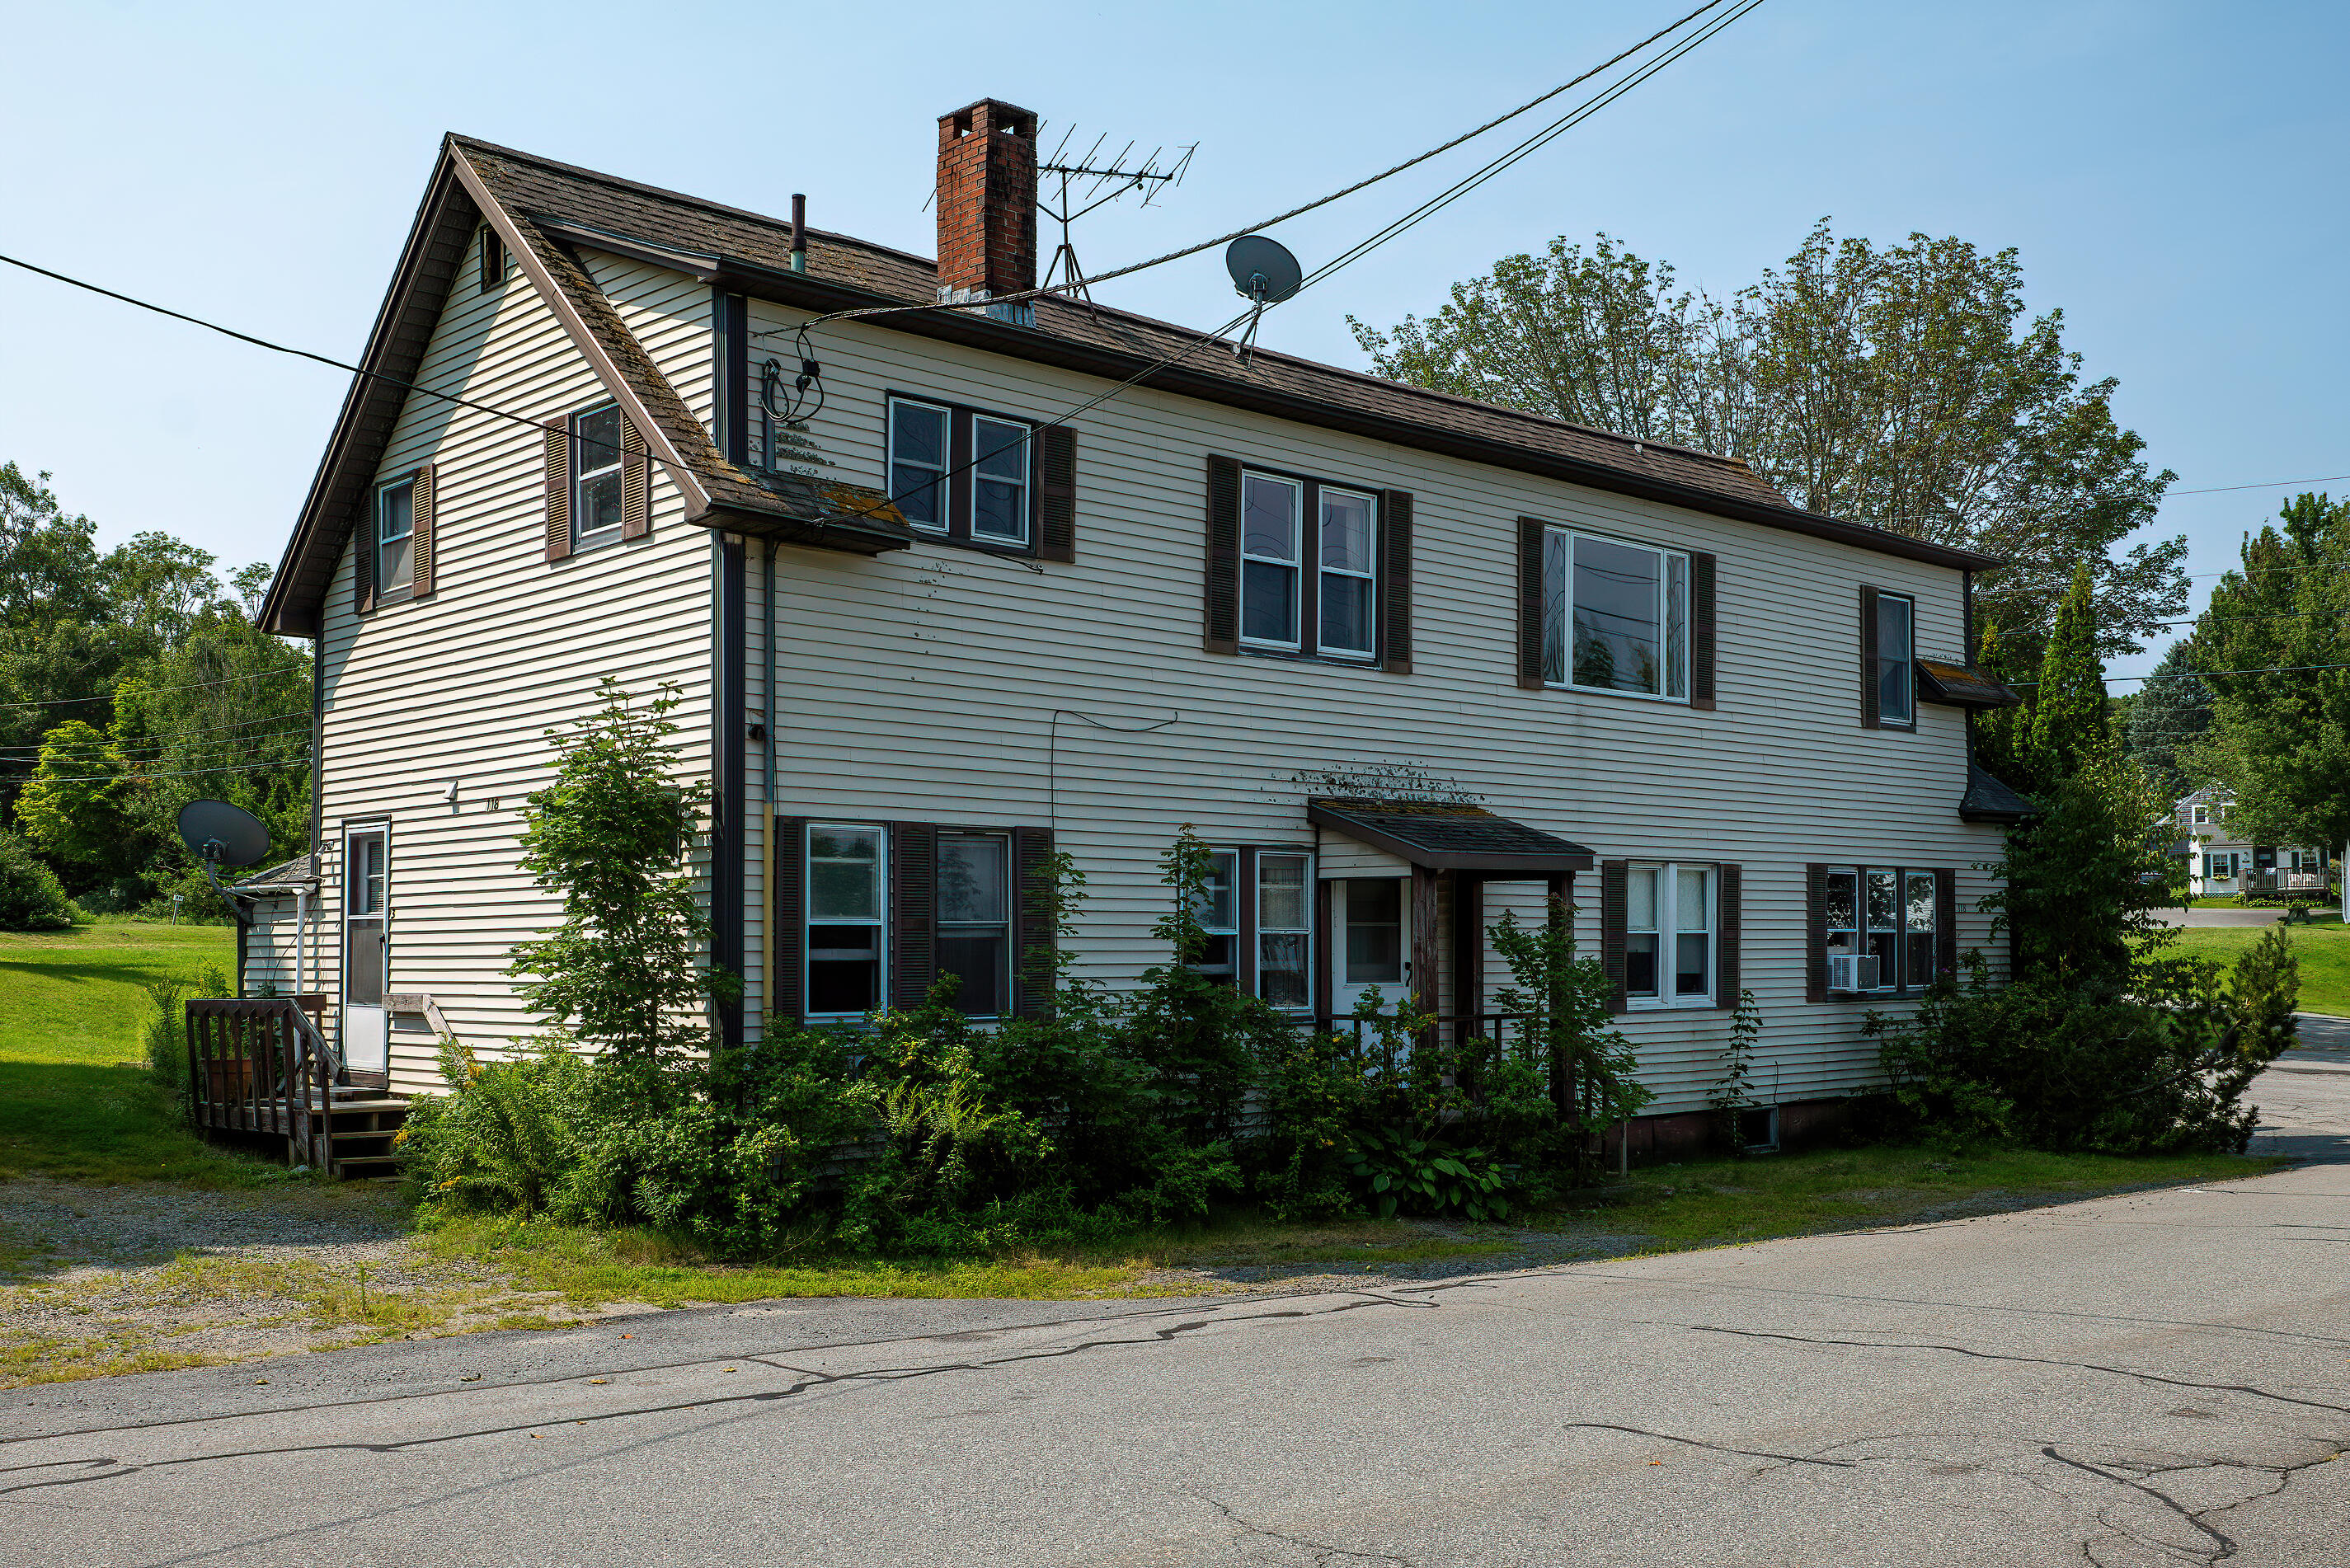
<point x="2068" y="720"/>
<point x="2003" y="735"/>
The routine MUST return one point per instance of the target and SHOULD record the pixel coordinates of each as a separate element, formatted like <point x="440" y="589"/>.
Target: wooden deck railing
<point x="260" y="1065"/>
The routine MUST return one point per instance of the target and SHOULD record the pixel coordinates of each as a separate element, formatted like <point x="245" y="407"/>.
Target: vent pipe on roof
<point x="799" y="232"/>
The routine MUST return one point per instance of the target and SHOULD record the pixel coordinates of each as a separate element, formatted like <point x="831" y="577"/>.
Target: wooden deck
<point x="261" y="1066"/>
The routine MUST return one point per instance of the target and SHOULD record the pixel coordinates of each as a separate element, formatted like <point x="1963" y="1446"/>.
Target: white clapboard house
<point x="1405" y="659"/>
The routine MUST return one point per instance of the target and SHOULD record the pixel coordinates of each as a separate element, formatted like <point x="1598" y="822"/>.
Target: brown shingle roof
<point x="1449" y="837"/>
<point x="753" y="252"/>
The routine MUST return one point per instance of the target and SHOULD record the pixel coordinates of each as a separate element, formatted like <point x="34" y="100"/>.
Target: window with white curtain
<point x="1669" y="935"/>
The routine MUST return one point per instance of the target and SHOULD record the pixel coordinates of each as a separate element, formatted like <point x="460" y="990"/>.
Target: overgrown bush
<point x="31" y="898"/>
<point x="2059" y="1065"/>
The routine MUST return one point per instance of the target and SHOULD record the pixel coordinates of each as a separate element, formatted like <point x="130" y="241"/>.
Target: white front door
<point x="367" y="946"/>
<point x="1370" y="941"/>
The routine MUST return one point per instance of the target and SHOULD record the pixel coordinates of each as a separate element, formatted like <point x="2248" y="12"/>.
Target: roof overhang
<point x="1990" y="800"/>
<point x="1447" y="837"/>
<point x="1956" y="685"/>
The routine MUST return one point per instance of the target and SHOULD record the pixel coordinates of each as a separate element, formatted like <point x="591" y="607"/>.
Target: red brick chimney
<point x="987" y="200"/>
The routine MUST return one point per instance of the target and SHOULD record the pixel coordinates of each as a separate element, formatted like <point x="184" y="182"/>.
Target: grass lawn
<point x="77" y="1102"/>
<point x="2323" y="949"/>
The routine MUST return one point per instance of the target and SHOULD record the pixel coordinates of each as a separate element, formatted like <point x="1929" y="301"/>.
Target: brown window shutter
<point x="1729" y="920"/>
<point x="1530" y="603"/>
<point x="1946" y="922"/>
<point x="1033" y="938"/>
<point x="1221" y="630"/>
<point x="787" y="987"/>
<point x="914" y="913"/>
<point x="1868" y="717"/>
<point x="420" y="548"/>
<point x="558" y="491"/>
<point x="363" y="557"/>
<point x="1614" y="888"/>
<point x="636" y="483"/>
<point x="1057" y="493"/>
<point x="1395" y="588"/>
<point x="1815" y="933"/>
<point x="1701" y="624"/>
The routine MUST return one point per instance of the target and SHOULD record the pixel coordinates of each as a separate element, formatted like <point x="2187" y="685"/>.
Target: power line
<point x="2209" y="674"/>
<point x="2264" y="485"/>
<point x="152" y="744"/>
<point x="174" y="774"/>
<point x="155" y="690"/>
<point x="1265" y="223"/>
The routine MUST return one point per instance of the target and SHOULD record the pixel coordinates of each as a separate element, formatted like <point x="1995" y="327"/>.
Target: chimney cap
<point x="1002" y="112"/>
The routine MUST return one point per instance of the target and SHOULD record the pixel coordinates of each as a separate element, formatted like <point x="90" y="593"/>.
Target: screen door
<point x="366" y="950"/>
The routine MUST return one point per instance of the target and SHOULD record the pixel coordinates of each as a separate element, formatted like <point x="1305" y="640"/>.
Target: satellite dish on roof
<point x="1262" y="269"/>
<point x="219" y="834"/>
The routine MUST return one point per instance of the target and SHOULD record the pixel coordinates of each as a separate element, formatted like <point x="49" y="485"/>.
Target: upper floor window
<point x="2202" y="813"/>
<point x="1896" y="651"/>
<point x="1616" y="616"/>
<point x="962" y="473"/>
<point x="395" y="532"/>
<point x="596" y="485"/>
<point x="493" y="260"/>
<point x="1309" y="566"/>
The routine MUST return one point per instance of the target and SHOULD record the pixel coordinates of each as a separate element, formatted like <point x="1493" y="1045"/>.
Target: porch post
<point x="1425" y="995"/>
<point x="1558" y="903"/>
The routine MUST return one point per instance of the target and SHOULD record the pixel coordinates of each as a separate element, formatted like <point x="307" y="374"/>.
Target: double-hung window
<point x="1883" y="928"/>
<point x="1669" y="935"/>
<point x="846" y="961"/>
<point x="1616" y="616"/>
<point x="595" y="487"/>
<point x="976" y="919"/>
<point x="1284" y="928"/>
<point x="395" y="530"/>
<point x="1896" y="701"/>
<point x="963" y="474"/>
<point x="1309" y="567"/>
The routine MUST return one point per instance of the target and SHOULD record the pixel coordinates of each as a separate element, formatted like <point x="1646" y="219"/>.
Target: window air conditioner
<point x="1852" y="971"/>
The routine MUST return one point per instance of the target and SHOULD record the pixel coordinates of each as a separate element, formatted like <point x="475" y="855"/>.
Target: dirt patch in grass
<point x="96" y="1280"/>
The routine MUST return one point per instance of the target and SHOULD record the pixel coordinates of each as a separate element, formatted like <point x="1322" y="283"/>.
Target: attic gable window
<point x="596" y="498"/>
<point x="395" y="532"/>
<point x="492" y="260"/>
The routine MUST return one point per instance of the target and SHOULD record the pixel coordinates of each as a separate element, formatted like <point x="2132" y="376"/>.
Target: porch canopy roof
<point x="1443" y="836"/>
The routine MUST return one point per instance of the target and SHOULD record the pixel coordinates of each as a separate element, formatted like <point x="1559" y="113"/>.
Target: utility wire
<point x="108" y="696"/>
<point x="133" y="777"/>
<point x="153" y="743"/>
<point x="2264" y="485"/>
<point x="2210" y="674"/>
<point x="1265" y="223"/>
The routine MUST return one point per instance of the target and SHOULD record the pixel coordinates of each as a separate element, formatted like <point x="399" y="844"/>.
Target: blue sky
<point x="2169" y="173"/>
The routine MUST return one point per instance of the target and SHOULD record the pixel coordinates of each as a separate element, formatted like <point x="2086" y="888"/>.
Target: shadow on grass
<point x="75" y="1122"/>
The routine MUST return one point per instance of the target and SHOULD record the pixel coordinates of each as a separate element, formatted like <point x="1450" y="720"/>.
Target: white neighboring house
<point x="2221" y="864"/>
<point x="1406" y="660"/>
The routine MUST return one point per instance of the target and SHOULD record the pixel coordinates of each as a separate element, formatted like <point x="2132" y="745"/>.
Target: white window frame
<point x="1025" y="446"/>
<point x="891" y="463"/>
<point x="1259" y="930"/>
<point x="880" y="920"/>
<point x="1668" y="932"/>
<point x="1344" y="988"/>
<point x="585" y="538"/>
<point x="1322" y="572"/>
<point x="1907" y="664"/>
<point x="1228" y="860"/>
<point x="1295" y="566"/>
<point x="1561" y="616"/>
<point x="2202" y="815"/>
<point x="385" y="584"/>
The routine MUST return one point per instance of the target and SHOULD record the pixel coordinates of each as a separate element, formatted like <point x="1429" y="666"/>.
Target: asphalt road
<point x="2157" y="1379"/>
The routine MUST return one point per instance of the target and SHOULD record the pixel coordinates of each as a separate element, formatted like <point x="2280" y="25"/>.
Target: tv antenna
<point x="1263" y="270"/>
<point x="1090" y="181"/>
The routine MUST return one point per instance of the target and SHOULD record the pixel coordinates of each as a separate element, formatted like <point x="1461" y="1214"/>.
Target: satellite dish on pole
<point x="219" y="834"/>
<point x="1262" y="269"/>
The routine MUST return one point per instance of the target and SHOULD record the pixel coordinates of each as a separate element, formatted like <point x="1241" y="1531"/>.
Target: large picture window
<point x="1669" y="935"/>
<point x="846" y="960"/>
<point x="963" y="474"/>
<point x="1616" y="616"/>
<point x="1882" y="926"/>
<point x="1309" y="567"/>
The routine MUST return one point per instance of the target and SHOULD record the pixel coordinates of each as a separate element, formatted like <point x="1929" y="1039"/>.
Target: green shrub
<point x="31" y="898"/>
